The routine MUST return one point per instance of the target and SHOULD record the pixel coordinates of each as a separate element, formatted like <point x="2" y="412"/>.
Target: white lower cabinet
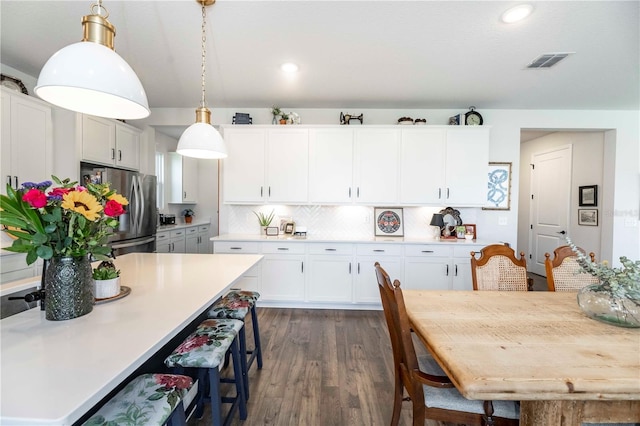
<point x="366" y="284"/>
<point x="330" y="273"/>
<point x="171" y="241"/>
<point x="204" y="245"/>
<point x="429" y="267"/>
<point x="191" y="239"/>
<point x="283" y="272"/>
<point x="251" y="279"/>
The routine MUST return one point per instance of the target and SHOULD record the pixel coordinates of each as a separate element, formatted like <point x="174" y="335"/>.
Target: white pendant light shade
<point x="93" y="79"/>
<point x="201" y="140"/>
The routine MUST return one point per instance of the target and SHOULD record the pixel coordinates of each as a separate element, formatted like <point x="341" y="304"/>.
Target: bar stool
<point x="149" y="399"/>
<point x="236" y="304"/>
<point x="204" y="350"/>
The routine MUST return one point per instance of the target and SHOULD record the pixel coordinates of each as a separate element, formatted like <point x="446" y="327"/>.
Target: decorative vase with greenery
<point x="106" y="280"/>
<point x="275" y="111"/>
<point x="264" y="220"/>
<point x="616" y="299"/>
<point x="188" y="215"/>
<point x="63" y="226"/>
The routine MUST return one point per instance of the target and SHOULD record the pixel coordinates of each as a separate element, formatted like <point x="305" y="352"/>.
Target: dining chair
<point x="497" y="268"/>
<point x="432" y="394"/>
<point x="563" y="272"/>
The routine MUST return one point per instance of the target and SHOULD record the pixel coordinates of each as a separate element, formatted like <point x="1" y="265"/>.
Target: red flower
<point x="113" y="208"/>
<point x="35" y="198"/>
<point x="193" y="343"/>
<point x="171" y="381"/>
<point x="59" y="191"/>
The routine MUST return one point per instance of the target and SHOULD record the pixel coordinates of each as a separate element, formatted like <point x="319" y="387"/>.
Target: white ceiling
<point x="354" y="54"/>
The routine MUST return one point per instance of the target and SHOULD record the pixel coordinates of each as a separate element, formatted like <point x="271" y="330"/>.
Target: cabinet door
<point x="467" y="161"/>
<point x="5" y="141"/>
<point x="31" y="140"/>
<point x="163" y="244"/>
<point x="462" y="274"/>
<point x="184" y="179"/>
<point x="191" y="244"/>
<point x="331" y="166"/>
<point x="427" y="273"/>
<point x="330" y="279"/>
<point x="422" y="165"/>
<point x="127" y="147"/>
<point x="366" y="283"/>
<point x="376" y="165"/>
<point x="98" y="140"/>
<point x="204" y="244"/>
<point x="282" y="278"/>
<point x="244" y="168"/>
<point x="178" y="245"/>
<point x="287" y="166"/>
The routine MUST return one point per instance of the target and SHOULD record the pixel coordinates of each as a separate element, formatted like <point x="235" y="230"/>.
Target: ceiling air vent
<point x="548" y="60"/>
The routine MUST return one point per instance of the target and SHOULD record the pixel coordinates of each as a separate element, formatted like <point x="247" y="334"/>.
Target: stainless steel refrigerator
<point x="137" y="229"/>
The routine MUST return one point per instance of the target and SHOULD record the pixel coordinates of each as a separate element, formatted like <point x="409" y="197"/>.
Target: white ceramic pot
<point x="106" y="288"/>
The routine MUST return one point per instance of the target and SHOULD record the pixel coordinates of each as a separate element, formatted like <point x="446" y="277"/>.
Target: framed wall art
<point x="588" y="196"/>
<point x="498" y="186"/>
<point x="388" y="222"/>
<point x="588" y="217"/>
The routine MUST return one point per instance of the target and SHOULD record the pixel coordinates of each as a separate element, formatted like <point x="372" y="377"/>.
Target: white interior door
<point x="551" y="197"/>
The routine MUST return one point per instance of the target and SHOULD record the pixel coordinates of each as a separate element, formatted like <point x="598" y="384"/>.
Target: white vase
<point x="106" y="288"/>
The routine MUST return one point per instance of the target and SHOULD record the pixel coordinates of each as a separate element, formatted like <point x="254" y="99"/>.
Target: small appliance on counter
<point x="167" y="219"/>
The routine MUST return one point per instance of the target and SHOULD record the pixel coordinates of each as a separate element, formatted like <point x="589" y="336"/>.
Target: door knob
<point x="561" y="232"/>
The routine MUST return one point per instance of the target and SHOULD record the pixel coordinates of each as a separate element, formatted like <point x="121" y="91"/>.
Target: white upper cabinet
<point x="287" y="166"/>
<point x="422" y="165"/>
<point x="331" y="166"/>
<point x="244" y="168"/>
<point x="184" y="179"/>
<point x="109" y="142"/>
<point x="376" y="165"/>
<point x="27" y="140"/>
<point x="467" y="163"/>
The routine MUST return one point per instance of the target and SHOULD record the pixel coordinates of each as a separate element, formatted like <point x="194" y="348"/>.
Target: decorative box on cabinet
<point x="184" y="179"/>
<point x="283" y="272"/>
<point x="27" y="140"/>
<point x="366" y="285"/>
<point x="330" y="275"/>
<point x="110" y="142"/>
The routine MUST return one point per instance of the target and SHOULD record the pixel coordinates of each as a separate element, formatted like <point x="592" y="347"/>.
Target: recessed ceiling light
<point x="289" y="67"/>
<point x="517" y="13"/>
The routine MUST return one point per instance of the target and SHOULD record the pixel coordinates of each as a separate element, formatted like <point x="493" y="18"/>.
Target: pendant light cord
<point x="203" y="103"/>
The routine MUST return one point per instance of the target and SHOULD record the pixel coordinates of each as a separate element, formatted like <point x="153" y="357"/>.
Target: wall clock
<point x="388" y="222"/>
<point x="472" y="117"/>
<point x="13" y="84"/>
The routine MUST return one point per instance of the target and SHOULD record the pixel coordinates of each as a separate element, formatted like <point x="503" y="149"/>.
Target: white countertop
<point x="55" y="371"/>
<point x="346" y="239"/>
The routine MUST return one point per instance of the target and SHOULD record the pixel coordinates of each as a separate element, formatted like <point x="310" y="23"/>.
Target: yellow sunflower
<point x="83" y="203"/>
<point x="119" y="198"/>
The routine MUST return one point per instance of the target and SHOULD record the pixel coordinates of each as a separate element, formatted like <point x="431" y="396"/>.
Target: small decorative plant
<point x="275" y="111"/>
<point x="264" y="219"/>
<point x="106" y="270"/>
<point x="188" y="213"/>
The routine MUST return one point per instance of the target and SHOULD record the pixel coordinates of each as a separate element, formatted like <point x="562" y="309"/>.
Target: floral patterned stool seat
<point x="204" y="351"/>
<point x="149" y="399"/>
<point x="236" y="305"/>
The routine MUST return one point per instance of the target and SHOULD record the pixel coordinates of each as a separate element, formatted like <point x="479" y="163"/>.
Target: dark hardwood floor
<point x="321" y="368"/>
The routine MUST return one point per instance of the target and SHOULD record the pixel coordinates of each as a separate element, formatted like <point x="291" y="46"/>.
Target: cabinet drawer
<point x="234" y="247"/>
<point x="331" y="248"/>
<point x="203" y="229"/>
<point x="465" y="251"/>
<point x="192" y="231"/>
<point x="426" y="250"/>
<point x="162" y="236"/>
<point x="177" y="233"/>
<point x="379" y="249"/>
<point x="283" y="248"/>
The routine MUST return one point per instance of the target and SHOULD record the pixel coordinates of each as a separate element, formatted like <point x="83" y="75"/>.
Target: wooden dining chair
<point x="563" y="272"/>
<point x="497" y="268"/>
<point x="432" y="394"/>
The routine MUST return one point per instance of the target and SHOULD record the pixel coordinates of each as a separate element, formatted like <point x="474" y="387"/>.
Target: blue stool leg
<point x="216" y="398"/>
<point x="256" y="336"/>
<point x="243" y="361"/>
<point x="178" y="417"/>
<point x="237" y="373"/>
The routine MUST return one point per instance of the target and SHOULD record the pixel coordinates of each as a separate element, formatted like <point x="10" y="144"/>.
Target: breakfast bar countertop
<point x="55" y="371"/>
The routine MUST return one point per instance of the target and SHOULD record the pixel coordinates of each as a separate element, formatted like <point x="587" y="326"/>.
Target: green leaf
<point x="51" y="228"/>
<point x="45" y="252"/>
<point x="32" y="257"/>
<point x="39" y="238"/>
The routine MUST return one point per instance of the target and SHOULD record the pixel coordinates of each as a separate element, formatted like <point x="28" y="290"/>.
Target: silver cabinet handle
<point x="119" y="155"/>
<point x="447" y="271"/>
<point x="8" y="179"/>
<point x="261" y="188"/>
<point x="113" y="153"/>
<point x="447" y="193"/>
<point x="269" y="191"/>
<point x="378" y="251"/>
<point x="235" y="248"/>
<point x="455" y="271"/>
<point x="439" y="193"/>
<point x="329" y="249"/>
<point x="283" y="248"/>
<point x="349" y="268"/>
<point x="358" y="268"/>
<point x="15" y="182"/>
<point x="302" y="267"/>
<point x="427" y="251"/>
<point x="358" y="192"/>
<point x="349" y="192"/>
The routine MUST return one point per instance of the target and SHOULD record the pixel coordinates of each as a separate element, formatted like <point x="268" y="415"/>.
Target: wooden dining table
<point x="534" y="347"/>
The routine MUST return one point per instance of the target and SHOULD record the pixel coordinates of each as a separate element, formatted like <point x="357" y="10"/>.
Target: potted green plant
<point x="284" y="117"/>
<point x="188" y="215"/>
<point x="275" y="111"/>
<point x="106" y="280"/>
<point x="264" y="220"/>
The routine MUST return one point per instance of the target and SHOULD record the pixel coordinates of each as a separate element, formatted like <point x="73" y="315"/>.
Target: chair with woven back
<point x="430" y="391"/>
<point x="563" y="272"/>
<point x="497" y="268"/>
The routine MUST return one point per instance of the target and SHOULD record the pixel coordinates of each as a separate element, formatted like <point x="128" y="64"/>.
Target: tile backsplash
<point x="332" y="221"/>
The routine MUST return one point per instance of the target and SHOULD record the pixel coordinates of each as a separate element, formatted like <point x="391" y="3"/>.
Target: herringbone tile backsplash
<point x="349" y="222"/>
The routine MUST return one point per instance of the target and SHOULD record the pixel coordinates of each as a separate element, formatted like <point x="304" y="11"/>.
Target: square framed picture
<point x="470" y="229"/>
<point x="588" y="217"/>
<point x="498" y="186"/>
<point x="588" y="195"/>
<point x="388" y="222"/>
<point x="460" y="231"/>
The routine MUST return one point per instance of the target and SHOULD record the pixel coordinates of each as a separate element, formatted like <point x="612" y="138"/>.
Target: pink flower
<point x="35" y="198"/>
<point x="173" y="381"/>
<point x="59" y="191"/>
<point x="113" y="208"/>
<point x="80" y="188"/>
<point x="192" y="344"/>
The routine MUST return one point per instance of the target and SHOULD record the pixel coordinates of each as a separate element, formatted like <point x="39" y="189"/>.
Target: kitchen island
<point x="53" y="372"/>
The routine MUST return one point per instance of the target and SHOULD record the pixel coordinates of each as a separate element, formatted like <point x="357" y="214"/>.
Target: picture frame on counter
<point x="460" y="231"/>
<point x="498" y="186"/>
<point x="588" y="217"/>
<point x="470" y="229"/>
<point x="388" y="222"/>
<point x="272" y="231"/>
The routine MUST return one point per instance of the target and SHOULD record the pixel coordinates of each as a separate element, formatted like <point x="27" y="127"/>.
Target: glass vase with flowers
<point x="63" y="225"/>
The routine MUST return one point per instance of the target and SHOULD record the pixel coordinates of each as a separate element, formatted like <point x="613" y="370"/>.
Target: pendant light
<point x="201" y="139"/>
<point x="90" y="77"/>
